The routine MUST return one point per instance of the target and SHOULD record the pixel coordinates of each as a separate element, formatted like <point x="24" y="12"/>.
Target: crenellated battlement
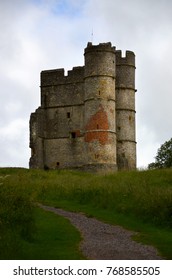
<point x="129" y="58"/>
<point x="98" y="48"/>
<point x="57" y="76"/>
<point x="76" y="72"/>
<point x="52" y="77"/>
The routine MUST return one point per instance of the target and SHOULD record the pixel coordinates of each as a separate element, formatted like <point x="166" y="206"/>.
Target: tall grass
<point x="16" y="219"/>
<point x="144" y="195"/>
<point x="55" y="239"/>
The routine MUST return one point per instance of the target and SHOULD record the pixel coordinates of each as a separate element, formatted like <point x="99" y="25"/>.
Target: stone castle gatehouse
<point x="87" y="119"/>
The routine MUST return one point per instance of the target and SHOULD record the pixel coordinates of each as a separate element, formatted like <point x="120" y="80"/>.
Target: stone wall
<point x="87" y="118"/>
<point x="99" y="118"/>
<point x="125" y="110"/>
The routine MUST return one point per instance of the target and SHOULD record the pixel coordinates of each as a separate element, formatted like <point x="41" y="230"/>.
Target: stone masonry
<point x="87" y="119"/>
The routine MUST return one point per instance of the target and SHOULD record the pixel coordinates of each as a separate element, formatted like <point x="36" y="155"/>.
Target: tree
<point x="163" y="158"/>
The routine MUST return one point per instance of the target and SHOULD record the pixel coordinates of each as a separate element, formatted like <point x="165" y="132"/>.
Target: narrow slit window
<point x="68" y="115"/>
<point x="73" y="135"/>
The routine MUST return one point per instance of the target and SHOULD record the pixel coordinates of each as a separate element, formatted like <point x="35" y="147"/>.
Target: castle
<point x="87" y="119"/>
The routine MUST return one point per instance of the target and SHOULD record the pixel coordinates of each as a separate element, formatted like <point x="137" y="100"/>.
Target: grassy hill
<point x="137" y="200"/>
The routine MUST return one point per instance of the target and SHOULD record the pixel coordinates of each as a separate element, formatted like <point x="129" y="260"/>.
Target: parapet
<point x="50" y="77"/>
<point x="57" y="76"/>
<point x="129" y="58"/>
<point x="101" y="47"/>
<point x="76" y="72"/>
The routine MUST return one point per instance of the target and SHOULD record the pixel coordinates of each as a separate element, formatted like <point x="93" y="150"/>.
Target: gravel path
<point x="102" y="241"/>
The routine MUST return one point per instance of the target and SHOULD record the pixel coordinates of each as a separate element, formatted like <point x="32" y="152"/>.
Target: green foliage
<point x="56" y="239"/>
<point x="153" y="165"/>
<point x="163" y="158"/>
<point x="27" y="232"/>
<point x="16" y="219"/>
<point x="164" y="155"/>
<point x="146" y="195"/>
<point x="141" y="196"/>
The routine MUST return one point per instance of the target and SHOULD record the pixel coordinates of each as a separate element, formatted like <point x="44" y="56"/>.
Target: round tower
<point x="99" y="107"/>
<point x="125" y="110"/>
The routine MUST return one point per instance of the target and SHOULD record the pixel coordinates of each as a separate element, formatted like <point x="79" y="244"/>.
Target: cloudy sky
<point x="37" y="35"/>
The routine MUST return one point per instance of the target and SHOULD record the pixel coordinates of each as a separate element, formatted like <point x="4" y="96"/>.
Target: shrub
<point x="16" y="221"/>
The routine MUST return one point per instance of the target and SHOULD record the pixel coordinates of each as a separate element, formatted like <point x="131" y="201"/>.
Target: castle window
<point x="68" y="115"/>
<point x="46" y="167"/>
<point x="129" y="118"/>
<point x="97" y="126"/>
<point x="73" y="135"/>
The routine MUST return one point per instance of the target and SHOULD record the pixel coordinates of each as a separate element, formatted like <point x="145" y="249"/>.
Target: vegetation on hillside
<point x="16" y="218"/>
<point x="163" y="157"/>
<point x="132" y="199"/>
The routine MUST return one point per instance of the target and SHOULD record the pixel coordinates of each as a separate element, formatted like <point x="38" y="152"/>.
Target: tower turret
<point x="125" y="110"/>
<point x="99" y="106"/>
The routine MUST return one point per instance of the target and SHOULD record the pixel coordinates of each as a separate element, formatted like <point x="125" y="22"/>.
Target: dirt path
<point x="102" y="241"/>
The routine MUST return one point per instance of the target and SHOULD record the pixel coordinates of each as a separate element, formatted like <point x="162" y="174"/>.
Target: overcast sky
<point x="37" y="35"/>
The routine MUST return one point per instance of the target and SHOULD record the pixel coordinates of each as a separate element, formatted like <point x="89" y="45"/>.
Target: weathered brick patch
<point x="97" y="122"/>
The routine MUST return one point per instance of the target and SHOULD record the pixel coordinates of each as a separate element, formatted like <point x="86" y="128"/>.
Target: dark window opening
<point x="46" y="167"/>
<point x="68" y="115"/>
<point x="73" y="135"/>
<point x="119" y="127"/>
<point x="129" y="118"/>
<point x="97" y="126"/>
<point x="99" y="92"/>
<point x="57" y="163"/>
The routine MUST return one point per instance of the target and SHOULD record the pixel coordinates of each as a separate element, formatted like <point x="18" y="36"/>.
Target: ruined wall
<point x="37" y="129"/>
<point x="62" y="100"/>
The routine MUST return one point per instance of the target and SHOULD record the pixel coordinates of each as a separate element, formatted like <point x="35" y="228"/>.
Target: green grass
<point x="56" y="239"/>
<point x="140" y="200"/>
<point x="147" y="233"/>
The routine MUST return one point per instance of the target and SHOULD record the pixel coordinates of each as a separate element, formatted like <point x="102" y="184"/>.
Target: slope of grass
<point x="16" y="219"/>
<point x="146" y="195"/>
<point x="140" y="200"/>
<point x="55" y="239"/>
<point x="27" y="232"/>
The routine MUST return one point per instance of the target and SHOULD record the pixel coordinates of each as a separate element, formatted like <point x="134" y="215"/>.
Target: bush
<point x="16" y="221"/>
<point x="163" y="158"/>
